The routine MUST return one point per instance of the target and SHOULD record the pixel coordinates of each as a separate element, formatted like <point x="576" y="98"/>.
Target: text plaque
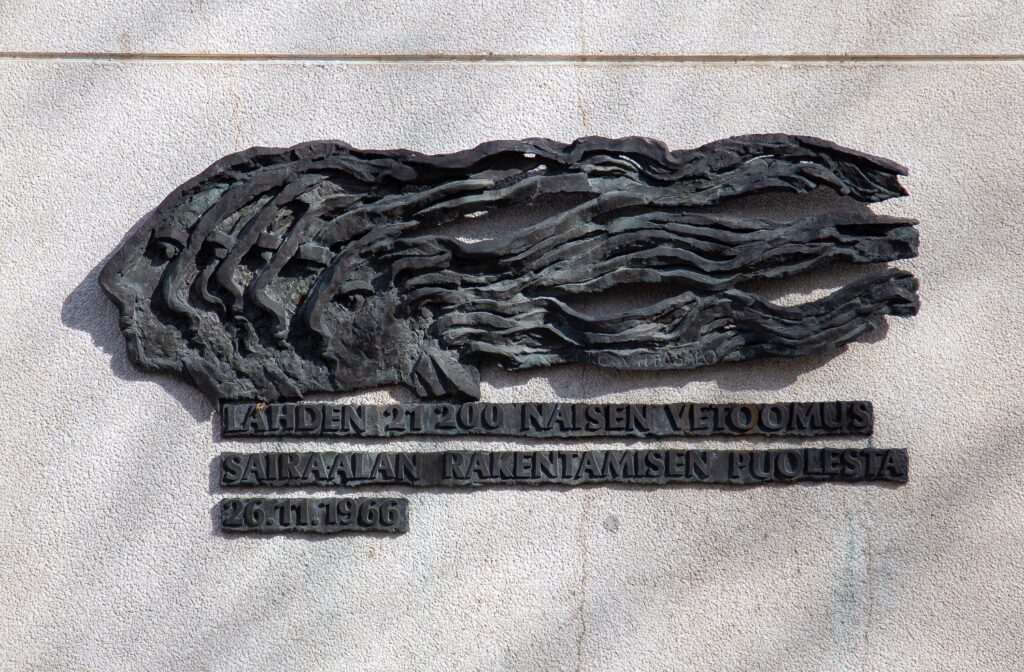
<point x="561" y="467"/>
<point x="318" y="516"/>
<point x="549" y="420"/>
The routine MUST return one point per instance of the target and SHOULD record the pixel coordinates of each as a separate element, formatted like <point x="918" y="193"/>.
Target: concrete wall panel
<point x="525" y="27"/>
<point x="110" y="558"/>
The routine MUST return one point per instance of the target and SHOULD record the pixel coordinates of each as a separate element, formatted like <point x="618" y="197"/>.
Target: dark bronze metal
<point x="317" y="516"/>
<point x="460" y="468"/>
<point x="280" y="272"/>
<point x="552" y="420"/>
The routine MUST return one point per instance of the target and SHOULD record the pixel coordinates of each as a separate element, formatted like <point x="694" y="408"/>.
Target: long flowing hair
<point x="253" y="278"/>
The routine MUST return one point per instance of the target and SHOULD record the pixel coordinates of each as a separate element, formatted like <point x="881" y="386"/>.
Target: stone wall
<point x="110" y="555"/>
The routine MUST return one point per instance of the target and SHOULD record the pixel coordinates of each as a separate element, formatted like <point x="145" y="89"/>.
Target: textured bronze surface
<point x="551" y="420"/>
<point x="281" y="272"/>
<point x="461" y="468"/>
<point x="315" y="516"/>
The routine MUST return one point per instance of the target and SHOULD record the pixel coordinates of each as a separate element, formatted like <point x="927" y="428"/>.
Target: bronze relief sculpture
<point x="281" y="272"/>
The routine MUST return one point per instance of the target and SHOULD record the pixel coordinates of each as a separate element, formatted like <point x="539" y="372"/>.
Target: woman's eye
<point x="352" y="302"/>
<point x="166" y="248"/>
<point x="170" y="250"/>
<point x="352" y="294"/>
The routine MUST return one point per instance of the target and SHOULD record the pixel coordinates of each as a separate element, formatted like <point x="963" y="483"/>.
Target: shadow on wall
<point x="88" y="309"/>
